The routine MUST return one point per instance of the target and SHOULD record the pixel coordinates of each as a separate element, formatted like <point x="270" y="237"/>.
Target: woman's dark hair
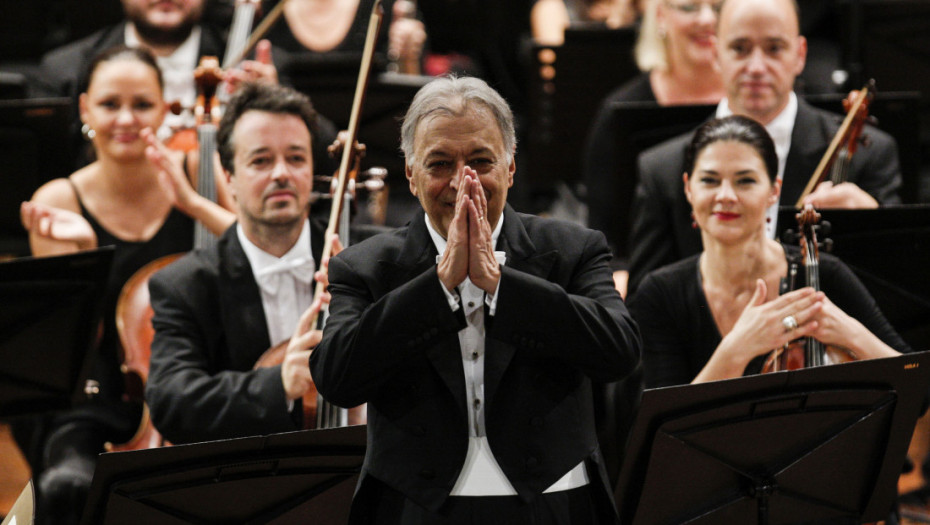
<point x="121" y="52"/>
<point x="736" y="129"/>
<point x="257" y="96"/>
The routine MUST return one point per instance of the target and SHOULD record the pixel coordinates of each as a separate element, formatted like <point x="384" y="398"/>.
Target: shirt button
<point x="477" y="403"/>
<point x="474" y="355"/>
<point x="471" y="304"/>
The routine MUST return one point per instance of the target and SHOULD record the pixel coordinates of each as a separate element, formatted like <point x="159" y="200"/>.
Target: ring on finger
<point x="789" y="322"/>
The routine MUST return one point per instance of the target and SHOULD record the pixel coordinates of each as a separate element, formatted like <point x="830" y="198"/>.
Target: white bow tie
<point x="269" y="278"/>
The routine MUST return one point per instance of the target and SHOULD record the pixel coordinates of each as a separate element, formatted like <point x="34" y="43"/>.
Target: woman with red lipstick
<point x="134" y="198"/>
<point x="716" y="315"/>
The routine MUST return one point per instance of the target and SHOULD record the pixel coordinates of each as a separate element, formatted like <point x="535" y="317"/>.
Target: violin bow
<point x="841" y="135"/>
<point x="348" y="149"/>
<point x="263" y="27"/>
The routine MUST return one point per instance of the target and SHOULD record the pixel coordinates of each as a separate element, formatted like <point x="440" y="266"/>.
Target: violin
<point x="835" y="161"/>
<point x="317" y="412"/>
<point x="133" y="307"/>
<point x="807" y="352"/>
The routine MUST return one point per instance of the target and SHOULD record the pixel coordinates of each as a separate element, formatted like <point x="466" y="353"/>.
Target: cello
<point x="133" y="308"/>
<point x="317" y="412"/>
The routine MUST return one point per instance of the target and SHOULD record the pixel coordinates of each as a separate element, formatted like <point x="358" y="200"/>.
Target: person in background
<point x="718" y="314"/>
<point x="133" y="197"/>
<point x="323" y="27"/>
<point x="760" y="53"/>
<point x="172" y="32"/>
<point x="217" y="310"/>
<point x="550" y="18"/>
<point x="675" y="52"/>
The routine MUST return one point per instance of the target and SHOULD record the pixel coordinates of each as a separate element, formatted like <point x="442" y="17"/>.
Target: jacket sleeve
<point x="189" y="398"/>
<point x="582" y="322"/>
<point x="367" y="338"/>
<point x="879" y="174"/>
<point x="652" y="233"/>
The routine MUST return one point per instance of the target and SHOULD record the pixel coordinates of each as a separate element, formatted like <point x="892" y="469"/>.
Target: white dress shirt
<point x="286" y="283"/>
<point x="481" y="475"/>
<point x="780" y="129"/>
<point x="177" y="70"/>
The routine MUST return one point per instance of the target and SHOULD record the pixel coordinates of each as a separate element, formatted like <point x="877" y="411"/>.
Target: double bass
<point x="133" y="308"/>
<point x="134" y="311"/>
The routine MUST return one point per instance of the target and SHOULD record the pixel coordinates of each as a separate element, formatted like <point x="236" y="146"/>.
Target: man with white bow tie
<point x="217" y="310"/>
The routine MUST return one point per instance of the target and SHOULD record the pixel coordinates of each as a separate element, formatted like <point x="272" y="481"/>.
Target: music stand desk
<point x="48" y="322"/>
<point x="889" y="250"/>
<point x="820" y="445"/>
<point x="290" y="478"/>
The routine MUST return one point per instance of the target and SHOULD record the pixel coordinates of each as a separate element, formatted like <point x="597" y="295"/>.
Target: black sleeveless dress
<point x="174" y="236"/>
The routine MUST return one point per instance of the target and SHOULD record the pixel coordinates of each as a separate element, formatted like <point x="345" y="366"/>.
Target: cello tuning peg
<point x="790" y="236"/>
<point x="827" y="245"/>
<point x="825" y="228"/>
<point x="91" y="388"/>
<point x="176" y="108"/>
<point x="373" y="185"/>
<point x="375" y="172"/>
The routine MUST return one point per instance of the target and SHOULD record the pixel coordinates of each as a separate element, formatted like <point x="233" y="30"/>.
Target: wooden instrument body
<point x="807" y="352"/>
<point x="134" y="325"/>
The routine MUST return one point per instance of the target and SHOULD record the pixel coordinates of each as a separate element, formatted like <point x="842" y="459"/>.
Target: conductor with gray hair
<point x="473" y="333"/>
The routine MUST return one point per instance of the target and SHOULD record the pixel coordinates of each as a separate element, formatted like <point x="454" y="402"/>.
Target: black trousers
<point x="386" y="506"/>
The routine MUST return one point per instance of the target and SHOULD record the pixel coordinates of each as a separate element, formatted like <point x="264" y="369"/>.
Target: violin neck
<point x="206" y="181"/>
<point x="815" y="349"/>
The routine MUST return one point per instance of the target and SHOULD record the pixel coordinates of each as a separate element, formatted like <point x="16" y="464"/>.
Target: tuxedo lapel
<point x="808" y="143"/>
<point x="418" y="255"/>
<point x="522" y="257"/>
<point x="243" y="314"/>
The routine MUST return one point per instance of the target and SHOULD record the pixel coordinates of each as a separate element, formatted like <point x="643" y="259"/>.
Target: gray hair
<point x="453" y="96"/>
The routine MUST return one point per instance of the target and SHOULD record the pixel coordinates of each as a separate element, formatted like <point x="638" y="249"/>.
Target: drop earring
<point x="88" y="132"/>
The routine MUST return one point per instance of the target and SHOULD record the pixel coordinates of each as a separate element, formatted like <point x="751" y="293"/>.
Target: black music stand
<point x="566" y="86"/>
<point x="889" y="250"/>
<point x="48" y="323"/>
<point x="821" y="445"/>
<point x="638" y="126"/>
<point x="35" y="137"/>
<point x="295" y="477"/>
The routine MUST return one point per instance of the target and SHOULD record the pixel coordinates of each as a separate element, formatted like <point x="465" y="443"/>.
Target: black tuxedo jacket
<point x="210" y="330"/>
<point x="661" y="216"/>
<point x="62" y="70"/>
<point x="392" y="341"/>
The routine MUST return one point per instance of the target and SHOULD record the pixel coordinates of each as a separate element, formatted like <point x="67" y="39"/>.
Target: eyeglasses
<point x="694" y="8"/>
